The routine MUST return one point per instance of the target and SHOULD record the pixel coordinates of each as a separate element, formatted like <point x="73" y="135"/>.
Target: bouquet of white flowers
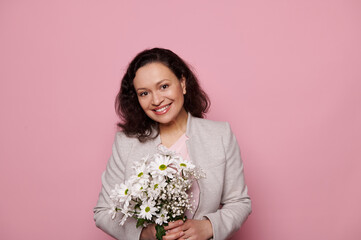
<point x="157" y="192"/>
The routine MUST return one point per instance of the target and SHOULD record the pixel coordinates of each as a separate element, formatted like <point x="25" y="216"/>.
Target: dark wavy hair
<point x="134" y="121"/>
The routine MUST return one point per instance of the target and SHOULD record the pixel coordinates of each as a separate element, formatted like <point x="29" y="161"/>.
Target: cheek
<point x="180" y="94"/>
<point x="143" y="103"/>
<point x="176" y="93"/>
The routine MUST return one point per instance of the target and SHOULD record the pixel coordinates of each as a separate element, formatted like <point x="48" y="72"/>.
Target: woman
<point x="161" y="102"/>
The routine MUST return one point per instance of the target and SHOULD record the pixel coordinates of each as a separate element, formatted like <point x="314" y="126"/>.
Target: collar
<point x="189" y="130"/>
<point x="189" y="125"/>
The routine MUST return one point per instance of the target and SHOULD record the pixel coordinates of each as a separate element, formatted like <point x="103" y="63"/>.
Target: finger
<point x="184" y="238"/>
<point x="173" y="225"/>
<point x="176" y="229"/>
<point x="188" y="234"/>
<point x="173" y="236"/>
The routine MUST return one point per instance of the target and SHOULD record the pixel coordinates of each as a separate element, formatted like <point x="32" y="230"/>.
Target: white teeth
<point x="162" y="109"/>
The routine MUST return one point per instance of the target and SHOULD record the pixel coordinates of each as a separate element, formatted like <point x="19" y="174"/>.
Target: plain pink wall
<point x="285" y="74"/>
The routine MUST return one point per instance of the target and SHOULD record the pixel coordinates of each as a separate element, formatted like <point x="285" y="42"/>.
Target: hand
<point x="193" y="230"/>
<point x="148" y="233"/>
<point x="174" y="230"/>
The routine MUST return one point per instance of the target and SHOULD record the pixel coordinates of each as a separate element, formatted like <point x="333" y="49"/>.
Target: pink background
<point x="285" y="74"/>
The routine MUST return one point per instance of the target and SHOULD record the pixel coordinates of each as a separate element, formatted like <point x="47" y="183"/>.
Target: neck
<point x="177" y="126"/>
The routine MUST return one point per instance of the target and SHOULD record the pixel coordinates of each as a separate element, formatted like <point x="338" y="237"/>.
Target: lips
<point x="162" y="109"/>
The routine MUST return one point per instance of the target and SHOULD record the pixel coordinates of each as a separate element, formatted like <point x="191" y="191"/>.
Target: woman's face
<point x="160" y="92"/>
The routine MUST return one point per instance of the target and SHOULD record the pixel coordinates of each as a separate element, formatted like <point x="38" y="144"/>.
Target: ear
<point x="183" y="85"/>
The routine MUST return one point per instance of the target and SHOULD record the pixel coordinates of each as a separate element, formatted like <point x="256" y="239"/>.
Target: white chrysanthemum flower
<point x="163" y="150"/>
<point x="184" y="164"/>
<point x="147" y="210"/>
<point x="126" y="213"/>
<point x="156" y="188"/>
<point x="139" y="190"/>
<point x="162" y="217"/>
<point x="113" y="210"/>
<point x="132" y="208"/>
<point x="140" y="170"/>
<point x="161" y="167"/>
<point x="142" y="161"/>
<point x="124" y="218"/>
<point x="121" y="193"/>
<point x="141" y="175"/>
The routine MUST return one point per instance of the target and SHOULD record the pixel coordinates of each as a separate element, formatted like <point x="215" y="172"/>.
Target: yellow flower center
<point x="162" y="167"/>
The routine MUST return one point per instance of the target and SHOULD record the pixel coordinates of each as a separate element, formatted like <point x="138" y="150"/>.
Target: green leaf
<point x="140" y="222"/>
<point x="160" y="231"/>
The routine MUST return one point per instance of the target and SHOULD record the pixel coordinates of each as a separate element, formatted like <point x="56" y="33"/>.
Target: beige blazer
<point x="223" y="193"/>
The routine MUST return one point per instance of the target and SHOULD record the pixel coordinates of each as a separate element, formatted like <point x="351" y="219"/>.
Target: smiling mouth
<point x="162" y="109"/>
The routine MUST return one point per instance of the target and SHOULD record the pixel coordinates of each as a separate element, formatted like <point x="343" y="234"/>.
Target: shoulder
<point x="121" y="140"/>
<point x="125" y="142"/>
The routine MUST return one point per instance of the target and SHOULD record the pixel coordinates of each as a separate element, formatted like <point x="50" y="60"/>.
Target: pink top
<point x="180" y="147"/>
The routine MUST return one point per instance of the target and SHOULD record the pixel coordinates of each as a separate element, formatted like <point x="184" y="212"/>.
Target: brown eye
<point x="164" y="86"/>
<point x="142" y="94"/>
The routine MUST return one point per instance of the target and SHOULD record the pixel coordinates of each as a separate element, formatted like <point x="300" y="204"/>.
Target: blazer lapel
<point x="193" y="146"/>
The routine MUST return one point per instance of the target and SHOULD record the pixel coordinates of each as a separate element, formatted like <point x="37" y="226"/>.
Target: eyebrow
<point x="158" y="83"/>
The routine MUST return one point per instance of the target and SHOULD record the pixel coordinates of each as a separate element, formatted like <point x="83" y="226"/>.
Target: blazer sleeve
<point x="235" y="202"/>
<point x="114" y="174"/>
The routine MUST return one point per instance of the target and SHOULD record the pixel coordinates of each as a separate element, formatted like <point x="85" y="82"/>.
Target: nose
<point x="157" y="99"/>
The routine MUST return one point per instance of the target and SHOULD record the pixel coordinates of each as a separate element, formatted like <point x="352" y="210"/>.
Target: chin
<point x="162" y="119"/>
